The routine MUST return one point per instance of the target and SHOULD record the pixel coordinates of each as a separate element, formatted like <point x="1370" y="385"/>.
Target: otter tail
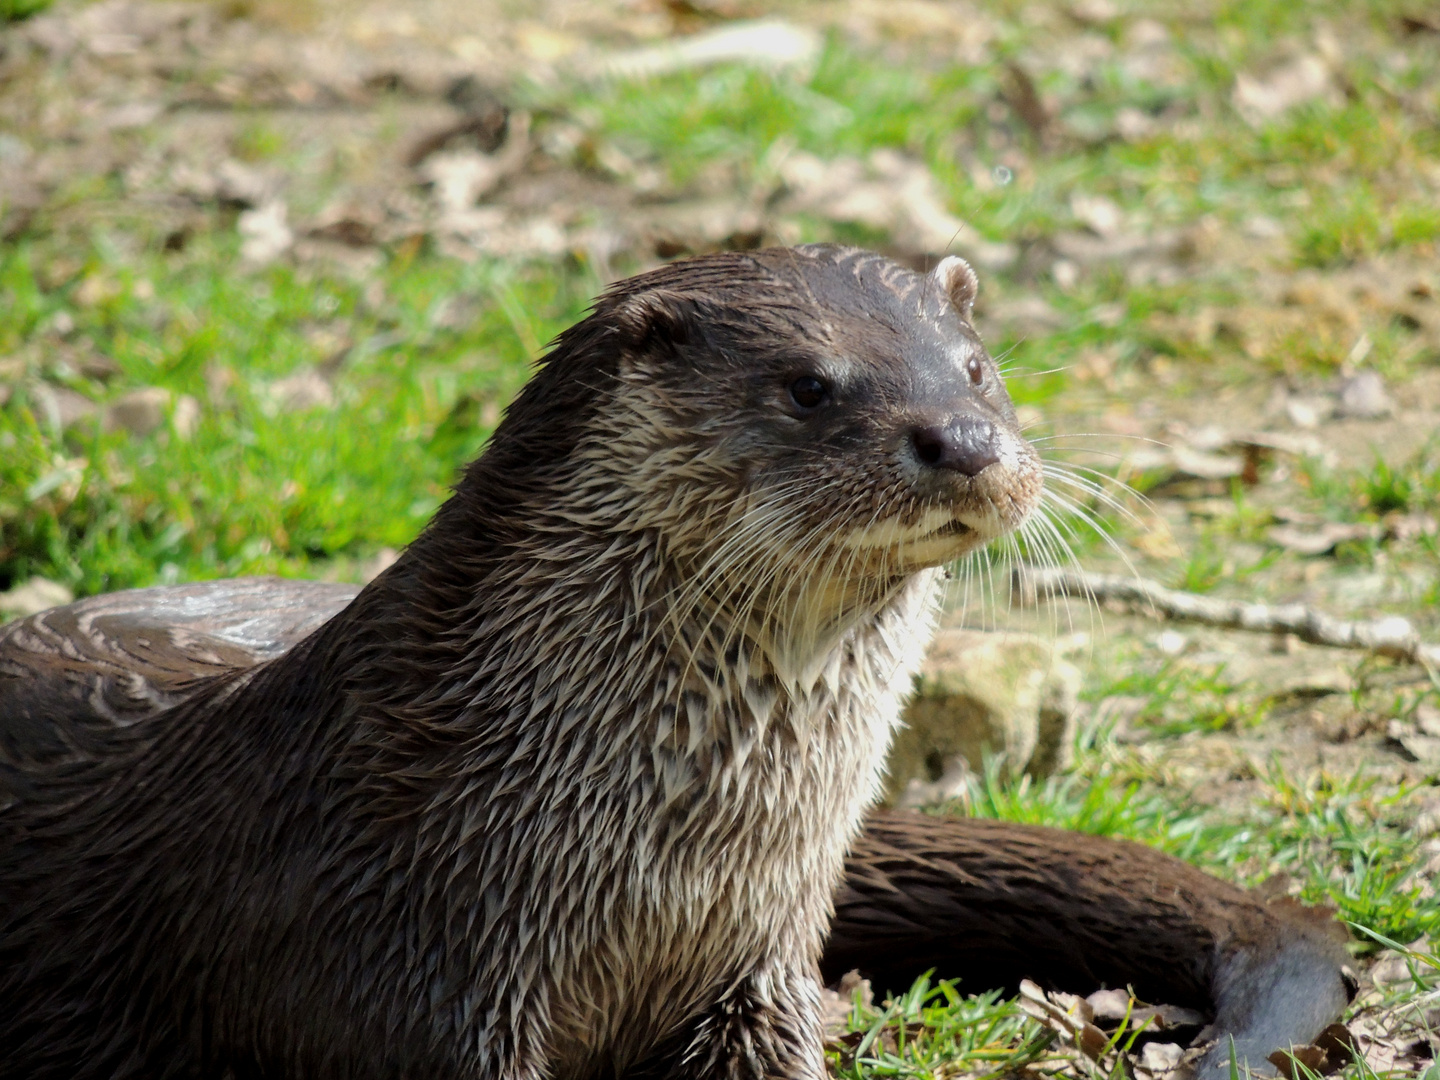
<point x="993" y="903"/>
<point x="1275" y="994"/>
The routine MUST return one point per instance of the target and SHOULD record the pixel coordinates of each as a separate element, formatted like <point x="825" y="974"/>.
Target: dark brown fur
<point x="566" y="791"/>
<point x="985" y="902"/>
<point x="255" y="852"/>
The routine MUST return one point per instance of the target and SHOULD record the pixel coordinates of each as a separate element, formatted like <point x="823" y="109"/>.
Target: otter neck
<point x="595" y="628"/>
<point x="789" y="622"/>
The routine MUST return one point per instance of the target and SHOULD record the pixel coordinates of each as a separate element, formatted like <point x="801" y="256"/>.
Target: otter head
<point x="817" y="415"/>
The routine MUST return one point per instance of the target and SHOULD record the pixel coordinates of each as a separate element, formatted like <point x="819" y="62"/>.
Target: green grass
<point x="435" y="347"/>
<point x="256" y="487"/>
<point x="15" y="10"/>
<point x="931" y="1029"/>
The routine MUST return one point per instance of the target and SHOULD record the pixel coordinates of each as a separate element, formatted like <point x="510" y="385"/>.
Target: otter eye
<point x="975" y="370"/>
<point x="807" y="392"/>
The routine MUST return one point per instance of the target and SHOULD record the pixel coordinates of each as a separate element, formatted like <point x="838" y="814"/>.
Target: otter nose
<point x="965" y="444"/>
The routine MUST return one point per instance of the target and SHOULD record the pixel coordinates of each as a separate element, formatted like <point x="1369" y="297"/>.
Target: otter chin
<point x="568" y="789"/>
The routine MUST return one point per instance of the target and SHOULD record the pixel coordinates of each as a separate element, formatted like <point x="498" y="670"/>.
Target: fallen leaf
<point x="1263" y="98"/>
<point x="1322" y="540"/>
<point x="1158" y="1057"/>
<point x="1300" y="1062"/>
<point x="305" y="389"/>
<point x="265" y="235"/>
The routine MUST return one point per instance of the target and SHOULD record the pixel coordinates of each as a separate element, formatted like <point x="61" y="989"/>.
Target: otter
<point x="567" y="790"/>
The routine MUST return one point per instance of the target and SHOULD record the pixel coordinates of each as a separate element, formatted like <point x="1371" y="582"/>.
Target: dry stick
<point x="1392" y="636"/>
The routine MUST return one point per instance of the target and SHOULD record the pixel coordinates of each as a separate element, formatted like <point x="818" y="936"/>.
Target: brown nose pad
<point x="966" y="444"/>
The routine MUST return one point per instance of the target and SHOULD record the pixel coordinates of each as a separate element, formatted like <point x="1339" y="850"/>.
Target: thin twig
<point x="1392" y="636"/>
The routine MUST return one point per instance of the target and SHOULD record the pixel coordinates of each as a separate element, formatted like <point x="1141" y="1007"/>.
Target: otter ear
<point x="657" y="318"/>
<point x="958" y="282"/>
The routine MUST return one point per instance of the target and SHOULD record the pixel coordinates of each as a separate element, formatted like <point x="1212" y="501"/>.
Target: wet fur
<point x="566" y="791"/>
<point x="145" y="961"/>
<point x="987" y="902"/>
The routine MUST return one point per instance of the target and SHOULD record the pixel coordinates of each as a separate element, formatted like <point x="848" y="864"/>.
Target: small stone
<point x="1171" y="642"/>
<point x="889" y="192"/>
<point x="1323" y="539"/>
<point x="1284" y="644"/>
<point x="61" y="324"/>
<point x="186" y="417"/>
<point x="1097" y="213"/>
<point x="220" y="379"/>
<point x="139" y="412"/>
<point x="1393" y="969"/>
<point x="460" y="177"/>
<point x="62" y="407"/>
<point x="265" y="235"/>
<point x="193" y="183"/>
<point x="237" y="184"/>
<point x="35" y="595"/>
<point x="1263" y="98"/>
<point x="982" y="693"/>
<point x="1133" y="125"/>
<point x="1307" y="413"/>
<point x="1363" y="396"/>
<point x="1421" y="748"/>
<point x="1189" y="463"/>
<point x="1263" y="227"/>
<point x="134" y="114"/>
<point x="94" y="290"/>
<point x="306" y="389"/>
<point x="1427" y="719"/>
<point x="1095" y="11"/>
<point x="99" y="367"/>
<point x="1146" y="34"/>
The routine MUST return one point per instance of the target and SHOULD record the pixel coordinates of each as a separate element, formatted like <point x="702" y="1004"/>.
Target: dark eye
<point x="808" y="392"/>
<point x="975" y="370"/>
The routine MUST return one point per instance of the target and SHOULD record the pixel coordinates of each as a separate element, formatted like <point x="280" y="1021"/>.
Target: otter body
<point x="567" y="790"/>
<point x="987" y="902"/>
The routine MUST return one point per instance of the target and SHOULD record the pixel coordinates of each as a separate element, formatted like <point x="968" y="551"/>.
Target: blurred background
<point x="271" y="269"/>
